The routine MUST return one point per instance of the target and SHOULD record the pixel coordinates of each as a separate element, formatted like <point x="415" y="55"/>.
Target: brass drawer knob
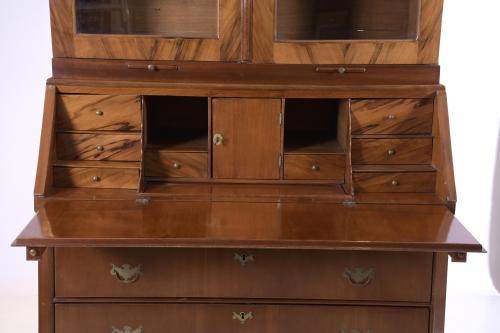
<point x="127" y="329"/>
<point x="395" y="182"/>
<point x="33" y="252"/>
<point x="126" y="273"/>
<point x="391" y="117"/>
<point x="315" y="168"/>
<point x="151" y="67"/>
<point x="99" y="113"/>
<point x="218" y="139"/>
<point x="359" y="277"/>
<point x="391" y="152"/>
<point x="176" y="166"/>
<point x="96" y="179"/>
<point x="244" y="258"/>
<point x="242" y="317"/>
<point x="99" y="148"/>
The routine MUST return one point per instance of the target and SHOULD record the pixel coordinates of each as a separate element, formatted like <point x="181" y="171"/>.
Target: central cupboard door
<point x="191" y="30"/>
<point x="246" y="138"/>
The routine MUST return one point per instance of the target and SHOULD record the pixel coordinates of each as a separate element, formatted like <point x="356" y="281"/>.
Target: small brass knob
<point x="395" y="182"/>
<point x="177" y="166"/>
<point x="341" y="70"/>
<point x="218" y="139"/>
<point x="391" y="117"/>
<point x="100" y="148"/>
<point x="99" y="113"/>
<point x="96" y="179"/>
<point x="151" y="67"/>
<point x="33" y="252"/>
<point x="391" y="152"/>
<point x="315" y="168"/>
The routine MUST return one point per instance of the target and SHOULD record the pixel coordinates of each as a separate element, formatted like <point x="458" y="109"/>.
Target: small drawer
<point x="392" y="151"/>
<point x="212" y="273"/>
<point x="96" y="177"/>
<point x="405" y="182"/>
<point x="175" y="165"/>
<point x="315" y="167"/>
<point x="392" y="116"/>
<point x="98" y="112"/>
<point x="98" y="147"/>
<point x="244" y="318"/>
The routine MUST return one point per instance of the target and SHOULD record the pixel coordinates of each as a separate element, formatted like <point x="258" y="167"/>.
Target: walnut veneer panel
<point x="388" y="182"/>
<point x="96" y="177"/>
<point x="213" y="318"/>
<point x="99" y="112"/>
<point x="392" y="151"/>
<point x="392" y="116"/>
<point x="159" y="163"/>
<point x="315" y="167"/>
<point x="382" y="276"/>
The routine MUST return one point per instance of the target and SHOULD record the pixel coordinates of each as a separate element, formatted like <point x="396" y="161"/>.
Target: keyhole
<point x="242" y="315"/>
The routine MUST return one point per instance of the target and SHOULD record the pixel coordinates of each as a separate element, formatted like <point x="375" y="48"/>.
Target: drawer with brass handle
<point x="392" y="151"/>
<point x="222" y="273"/>
<point x="166" y="164"/>
<point x="155" y="318"/>
<point x="98" y="147"/>
<point x="393" y="182"/>
<point x="315" y="167"/>
<point x="98" y="112"/>
<point x="96" y="177"/>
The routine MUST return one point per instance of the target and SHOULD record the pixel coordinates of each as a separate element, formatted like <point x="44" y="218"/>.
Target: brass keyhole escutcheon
<point x="218" y="139"/>
<point x="243" y="317"/>
<point x="127" y="329"/>
<point x="244" y="258"/>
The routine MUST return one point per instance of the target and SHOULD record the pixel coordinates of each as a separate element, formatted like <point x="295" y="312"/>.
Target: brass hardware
<point x="126" y="273"/>
<point x="395" y="182"/>
<point x="99" y="113"/>
<point x="242" y="317"/>
<point x="243" y="258"/>
<point x="391" y="152"/>
<point x="391" y="117"/>
<point x="177" y="166"/>
<point x="96" y="179"/>
<point x="99" y="148"/>
<point x="151" y="67"/>
<point x="33" y="252"/>
<point x="359" y="277"/>
<point x="353" y="331"/>
<point x="127" y="329"/>
<point x="341" y="70"/>
<point x="218" y="139"/>
<point x="458" y="257"/>
<point x="315" y="168"/>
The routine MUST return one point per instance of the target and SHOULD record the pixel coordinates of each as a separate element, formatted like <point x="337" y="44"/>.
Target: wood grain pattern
<point x="406" y="151"/>
<point x="166" y="164"/>
<point x="46" y="292"/>
<point x="423" y="50"/>
<point x="408" y="182"/>
<point x="439" y="282"/>
<point x="212" y="318"/>
<point x="326" y="167"/>
<point x="98" y="147"/>
<point x="216" y="274"/>
<point x="252" y="138"/>
<point x="106" y="177"/>
<point x="66" y="43"/>
<point x="392" y="116"/>
<point x="99" y="112"/>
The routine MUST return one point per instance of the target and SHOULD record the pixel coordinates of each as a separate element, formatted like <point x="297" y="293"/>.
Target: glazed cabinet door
<point x="346" y="31"/>
<point x="192" y="30"/>
<point x="246" y="138"/>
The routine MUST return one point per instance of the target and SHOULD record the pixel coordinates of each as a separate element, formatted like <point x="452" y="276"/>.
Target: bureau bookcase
<point x="213" y="166"/>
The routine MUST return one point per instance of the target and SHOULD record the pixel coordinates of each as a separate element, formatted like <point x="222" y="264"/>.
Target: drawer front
<point x="98" y="147"/>
<point x="218" y="318"/>
<point x="392" y="151"/>
<point x="176" y="165"/>
<point x="219" y="273"/>
<point x="410" y="182"/>
<point x="392" y="116"/>
<point x="315" y="166"/>
<point x="96" y="177"/>
<point x="98" y="112"/>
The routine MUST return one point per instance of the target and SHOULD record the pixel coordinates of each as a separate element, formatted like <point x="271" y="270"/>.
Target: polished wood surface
<point x="392" y="150"/>
<point x="315" y="166"/>
<point x="392" y="116"/>
<point x="99" y="112"/>
<point x="175" y="164"/>
<point x="96" y="177"/>
<point x="211" y="318"/>
<point x="251" y="134"/>
<point x="289" y="225"/>
<point x="383" y="182"/>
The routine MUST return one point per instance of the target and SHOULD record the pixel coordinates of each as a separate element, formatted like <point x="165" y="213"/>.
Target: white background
<point x="470" y="61"/>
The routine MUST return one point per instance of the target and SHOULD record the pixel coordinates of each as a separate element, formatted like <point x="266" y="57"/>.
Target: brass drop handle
<point x="127" y="329"/>
<point x="315" y="168"/>
<point x="176" y="165"/>
<point x="243" y="317"/>
<point x="96" y="179"/>
<point x="218" y="139"/>
<point x="244" y="258"/>
<point x="99" y="113"/>
<point x="126" y="273"/>
<point x="391" y="152"/>
<point x="359" y="277"/>
<point x="99" y="148"/>
<point x="395" y="183"/>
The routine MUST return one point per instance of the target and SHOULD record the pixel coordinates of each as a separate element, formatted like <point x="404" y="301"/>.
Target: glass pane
<point x="347" y="19"/>
<point x="166" y="18"/>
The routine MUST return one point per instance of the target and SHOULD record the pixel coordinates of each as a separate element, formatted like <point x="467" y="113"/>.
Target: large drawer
<point x="392" y="151"/>
<point x="99" y="112"/>
<point x="98" y="147"/>
<point x="221" y="318"/>
<point x="222" y="273"/>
